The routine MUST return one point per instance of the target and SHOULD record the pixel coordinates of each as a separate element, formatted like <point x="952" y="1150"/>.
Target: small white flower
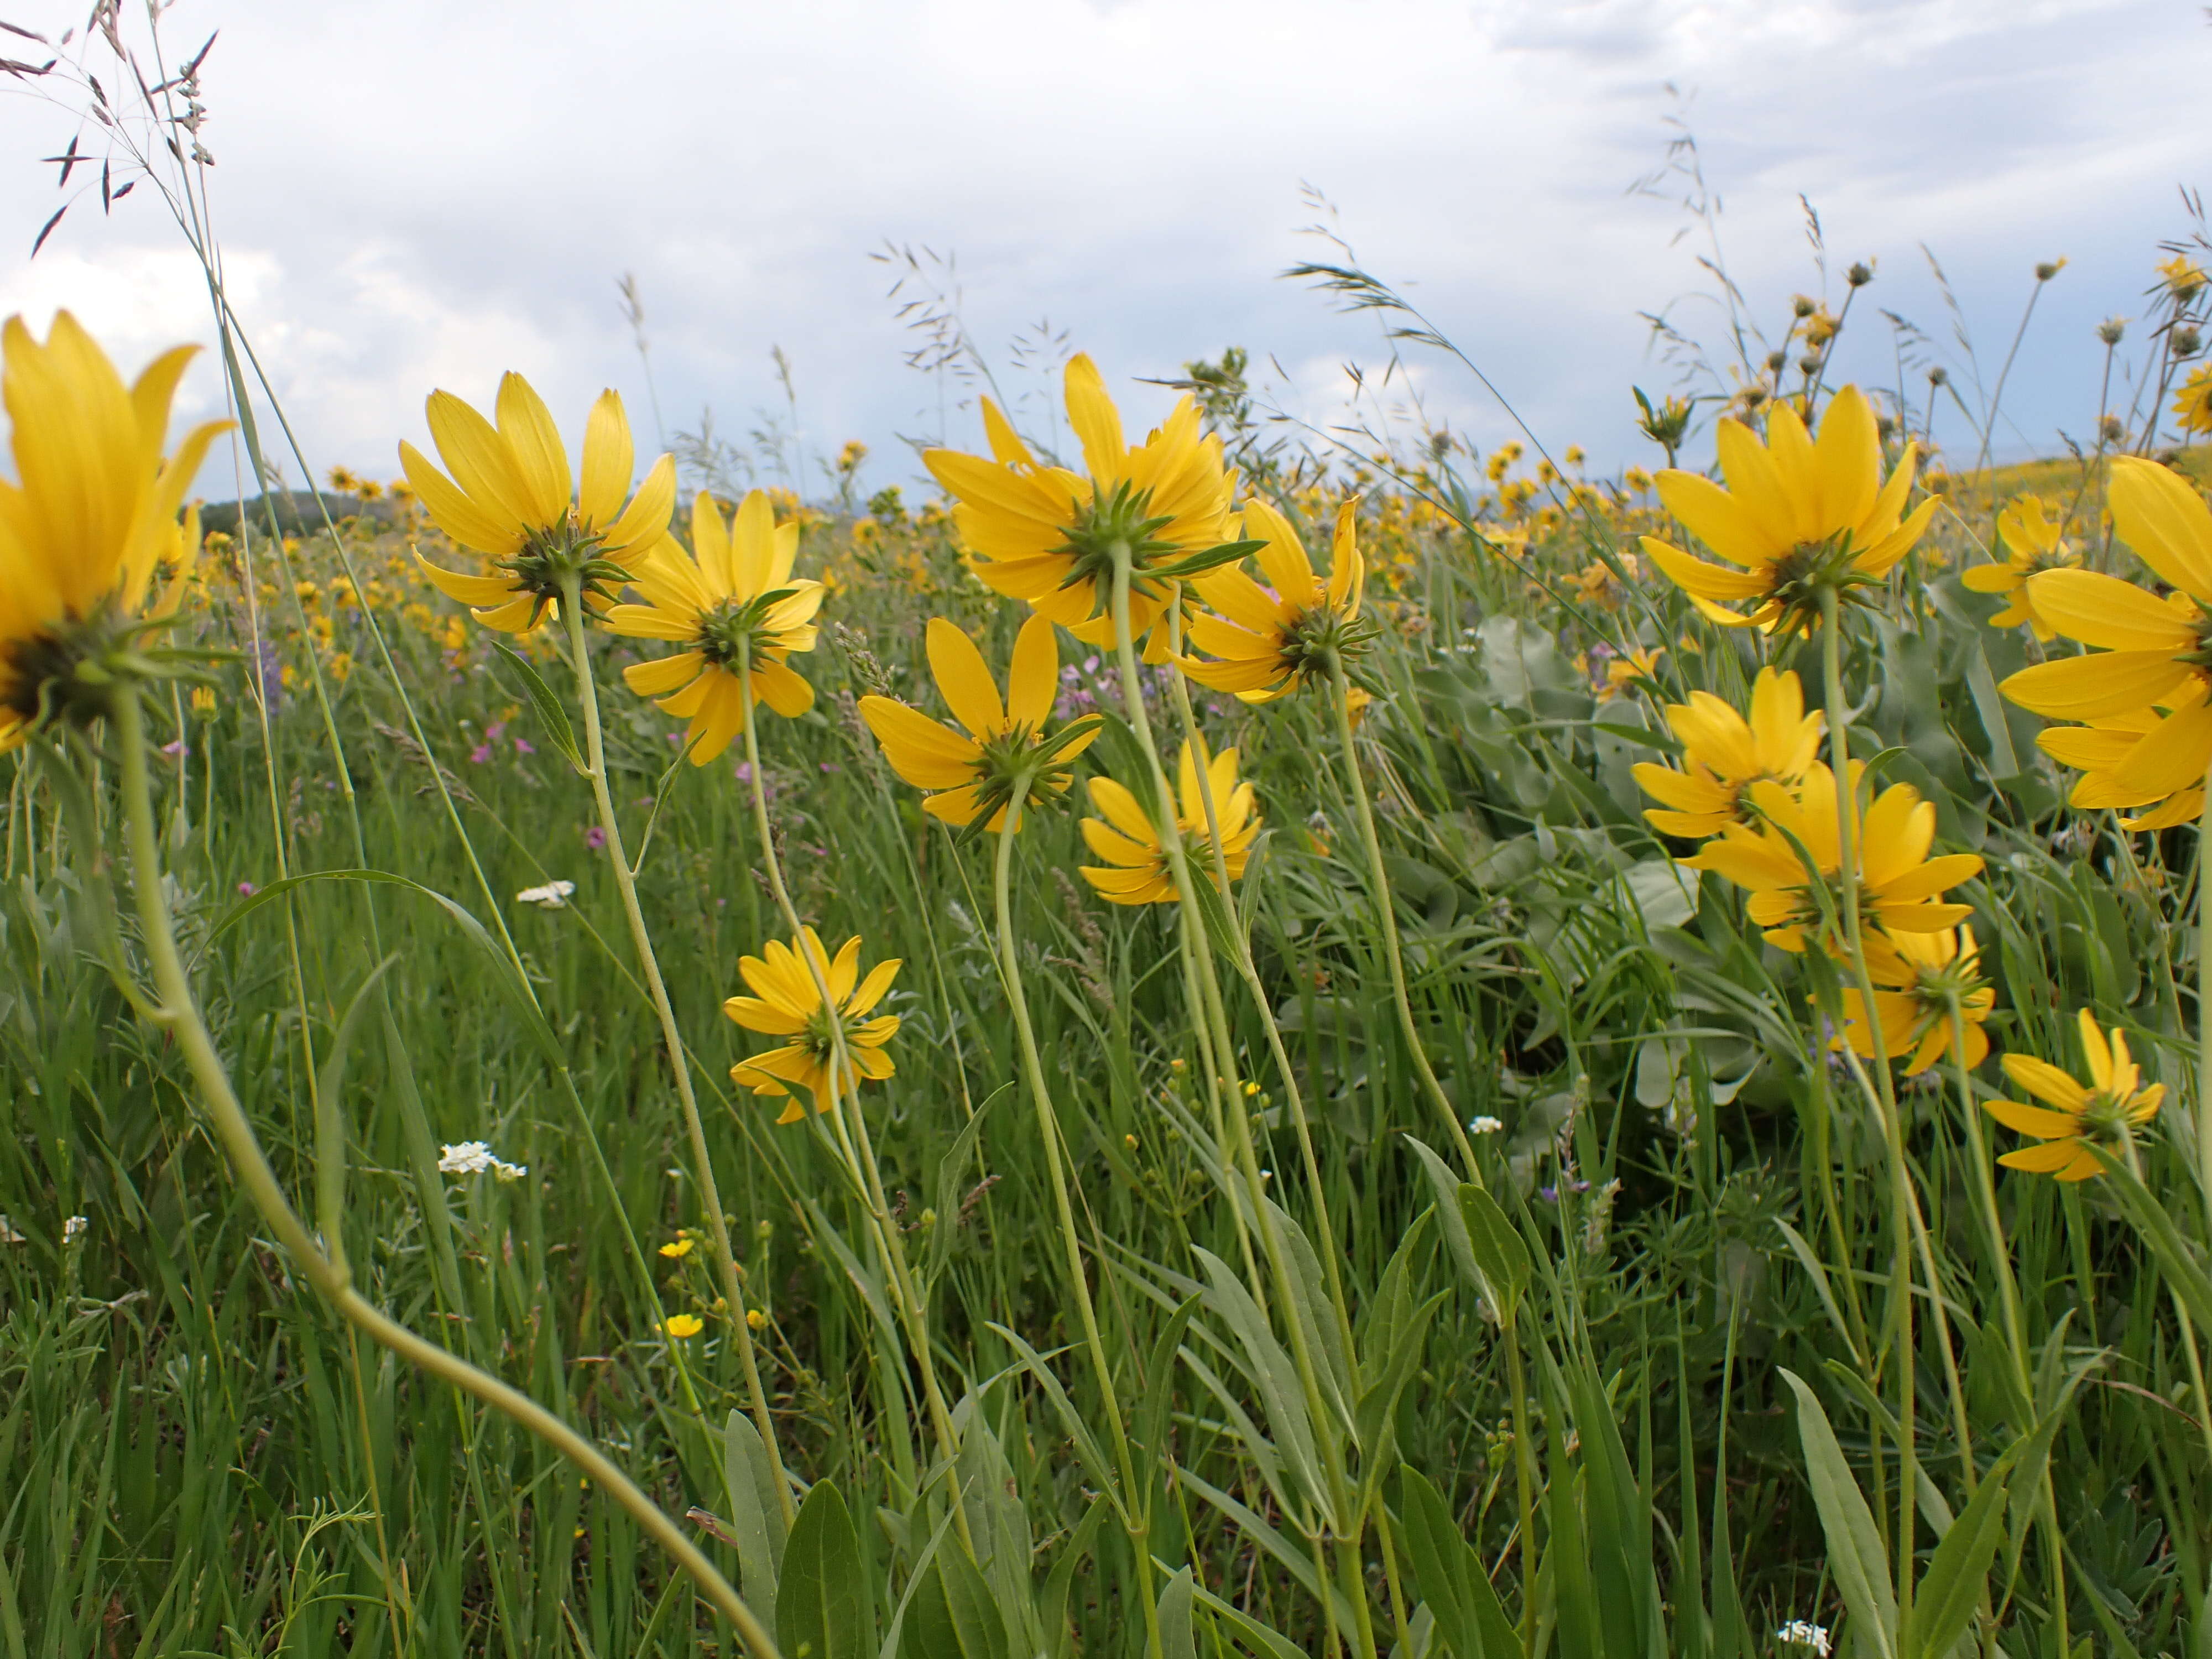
<point x="1799" y="1632"/>
<point x="1485" y="1126"/>
<point x="73" y="1229"/>
<point x="553" y="895"/>
<point x="9" y="1234"/>
<point x="474" y="1158"/>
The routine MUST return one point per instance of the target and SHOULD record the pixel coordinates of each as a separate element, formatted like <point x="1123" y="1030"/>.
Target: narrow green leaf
<point x="552" y="715"/>
<point x="1450" y="1576"/>
<point x="1951" y="1589"/>
<point x="755" y="1517"/>
<point x="1176" y="1641"/>
<point x="1499" y="1248"/>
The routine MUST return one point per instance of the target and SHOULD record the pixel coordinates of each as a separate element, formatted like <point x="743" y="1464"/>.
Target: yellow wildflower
<point x="2076" y="1117"/>
<point x="1723" y="755"/>
<point x="1915" y="976"/>
<point x="1139" y="872"/>
<point x="2031" y="545"/>
<point x="511" y="498"/>
<point x="785" y="1003"/>
<point x="1799" y="517"/>
<point x="734" y="600"/>
<point x="684" y="1326"/>
<point x="2192" y="403"/>
<point x="1269" y="644"/>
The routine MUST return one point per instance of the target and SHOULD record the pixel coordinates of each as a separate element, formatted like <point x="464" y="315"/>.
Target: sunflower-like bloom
<point x="1898" y="885"/>
<point x="1723" y="755"/>
<point x="1915" y="976"/>
<point x="1051" y="537"/>
<point x="2192" y="403"/>
<point x="1267" y="644"/>
<point x="2032" y="546"/>
<point x="734" y="595"/>
<point x="2097" y="751"/>
<point x="1138" y="871"/>
<point x="1799" y="517"/>
<point x="2148" y="651"/>
<point x="1005" y="753"/>
<point x="2076" y="1117"/>
<point x="1625" y="670"/>
<point x="511" y="498"/>
<point x="785" y="1003"/>
<point x="90" y="518"/>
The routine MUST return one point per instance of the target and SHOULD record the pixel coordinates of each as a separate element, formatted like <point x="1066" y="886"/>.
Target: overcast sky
<point x="420" y="193"/>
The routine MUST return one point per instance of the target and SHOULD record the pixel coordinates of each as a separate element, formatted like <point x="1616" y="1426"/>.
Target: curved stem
<point x="179" y="1016"/>
<point x="1379" y="894"/>
<point x="1134" y="1505"/>
<point x="726" y="1261"/>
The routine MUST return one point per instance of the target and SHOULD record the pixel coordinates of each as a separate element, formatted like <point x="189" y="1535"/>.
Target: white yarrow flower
<point x="1485" y="1126"/>
<point x="553" y="895"/>
<point x="73" y="1229"/>
<point x="469" y="1157"/>
<point x="1803" y="1634"/>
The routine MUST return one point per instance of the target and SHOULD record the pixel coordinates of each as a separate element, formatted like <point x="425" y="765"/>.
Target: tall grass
<point x="1459" y="1234"/>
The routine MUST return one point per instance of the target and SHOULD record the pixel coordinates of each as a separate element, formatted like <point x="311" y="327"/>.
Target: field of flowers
<point x="1203" y="1042"/>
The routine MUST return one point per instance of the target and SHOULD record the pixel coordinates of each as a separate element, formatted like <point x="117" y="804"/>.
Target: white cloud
<point x="414" y="194"/>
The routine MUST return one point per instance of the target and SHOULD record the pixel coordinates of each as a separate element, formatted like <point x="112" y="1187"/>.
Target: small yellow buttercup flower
<point x="1138" y="870"/>
<point x="2076" y="1117"/>
<point x="785" y="1003"/>
<point x="512" y="498"/>
<point x="732" y="599"/>
<point x="684" y="1325"/>
<point x="677" y="1248"/>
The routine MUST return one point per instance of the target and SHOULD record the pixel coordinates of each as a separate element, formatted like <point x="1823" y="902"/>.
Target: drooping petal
<point x="467" y="521"/>
<point x="2106" y="612"/>
<point x="2086" y="688"/>
<point x="927" y="755"/>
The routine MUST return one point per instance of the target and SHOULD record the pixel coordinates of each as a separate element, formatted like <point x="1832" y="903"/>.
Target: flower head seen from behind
<point x="2192" y="403"/>
<point x="1723" y="755"/>
<point x="510" y="497"/>
<point x="2031" y="545"/>
<point x="1915" y="977"/>
<point x="785" y="1003"/>
<point x="1268" y="641"/>
<point x="1137" y="869"/>
<point x="1006" y="753"/>
<point x="1801" y="518"/>
<point x="2076" y="1117"/>
<point x="1052" y="536"/>
<point x="1900" y="885"/>
<point x="2148" y="651"/>
<point x="733" y="603"/>
<point x="89" y="520"/>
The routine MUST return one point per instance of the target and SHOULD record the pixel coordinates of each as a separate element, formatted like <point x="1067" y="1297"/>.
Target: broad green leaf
<point x="1855" y="1552"/>
<point x="755" y="1517"/>
<point x="1450" y="1576"/>
<point x="1176" y="1641"/>
<point x="552" y="715"/>
<point x="1499" y="1247"/>
<point x="821" y="1610"/>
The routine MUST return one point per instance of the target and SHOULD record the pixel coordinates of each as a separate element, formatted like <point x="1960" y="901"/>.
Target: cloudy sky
<point x="417" y="193"/>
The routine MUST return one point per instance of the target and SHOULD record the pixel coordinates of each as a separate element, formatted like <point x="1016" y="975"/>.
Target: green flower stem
<point x="2202" y="1120"/>
<point x="1903" y="1207"/>
<point x="1350" y="1526"/>
<point x="1524" y="1480"/>
<point x="1379" y="884"/>
<point x="851" y="1125"/>
<point x="726" y="1259"/>
<point x="1134" y="1503"/>
<point x="1219" y="1086"/>
<point x="1248" y="970"/>
<point x="179" y="1016"/>
<point x="1985" y="1193"/>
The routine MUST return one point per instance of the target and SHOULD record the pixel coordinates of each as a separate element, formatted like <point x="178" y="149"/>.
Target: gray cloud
<point x="412" y="194"/>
